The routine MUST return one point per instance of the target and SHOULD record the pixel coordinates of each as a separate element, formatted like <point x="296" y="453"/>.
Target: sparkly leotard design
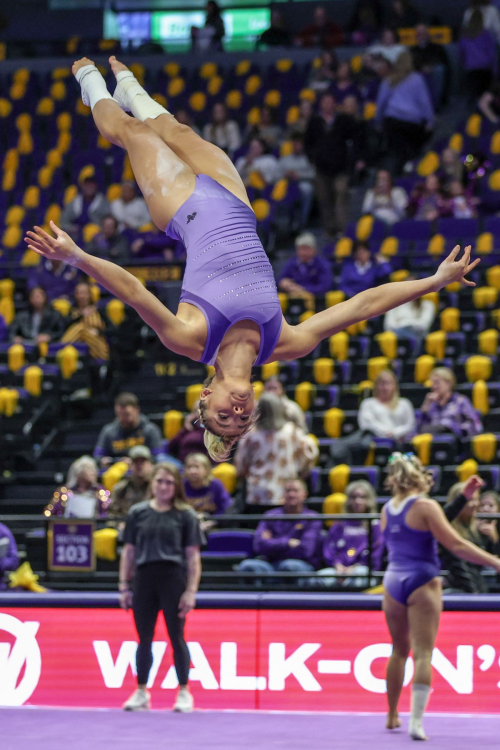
<point x="413" y="557"/>
<point x="228" y="275"/>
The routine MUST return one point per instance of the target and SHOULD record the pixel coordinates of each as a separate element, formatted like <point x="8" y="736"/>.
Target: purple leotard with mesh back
<point x="228" y="275"/>
<point x="413" y="557"/>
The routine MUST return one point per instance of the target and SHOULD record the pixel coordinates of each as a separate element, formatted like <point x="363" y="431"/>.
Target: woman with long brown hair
<point x="161" y="553"/>
<point x="412" y="525"/>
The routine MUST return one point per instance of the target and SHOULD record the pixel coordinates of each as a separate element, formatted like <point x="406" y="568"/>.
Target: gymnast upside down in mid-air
<point x="229" y="313"/>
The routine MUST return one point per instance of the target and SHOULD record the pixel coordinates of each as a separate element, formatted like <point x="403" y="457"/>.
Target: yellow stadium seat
<point x="23" y="122"/>
<point x="388" y="342"/>
<point x="484" y="296"/>
<point x="334" y="504"/>
<point x="338" y="477"/>
<point x="308" y="94"/>
<point x="339" y="346"/>
<point x="63" y="142"/>
<point x="16" y="357"/>
<point x="53" y="213"/>
<point x="375" y="367"/>
<point x="450" y="320"/>
<point x="280" y="190"/>
<point x="5" y="107"/>
<point x="45" y="106"/>
<point x="435" y="344"/>
<point x="400" y="275"/>
<point x="31" y="198"/>
<point x="214" y="85"/>
<point x="478" y="367"/>
<point x="484" y="447"/>
<point x="113" y="475"/>
<point x="356" y="328"/>
<point x="7" y="287"/>
<point x="58" y="91"/>
<point x="283" y="298"/>
<point x="7" y="310"/>
<point x="137" y="69"/>
<point x="198" y="101"/>
<point x="306" y="315"/>
<point x="428" y="164"/>
<point x="488" y="342"/>
<point x="81" y="108"/>
<point x="67" y="359"/>
<point x="114" y="192"/>
<point x="115" y="310"/>
<point x="356" y="63"/>
<point x="25" y="144"/>
<point x="334" y="298"/>
<point x="270" y="370"/>
<point x="258" y="388"/>
<point x="252" y="85"/>
<point x="62" y="305"/>
<point x="208" y="70"/>
<point x="494" y="180"/>
<point x="432" y="297"/>
<point x="11" y="159"/>
<point x="226" y="473"/>
<point x="12" y="237"/>
<point x="390" y="247"/>
<point x="44" y="176"/>
<point x="480" y="397"/>
<point x="193" y="394"/>
<point x="172" y="423"/>
<point x="422" y="444"/>
<point x="33" y="380"/>
<point x="292" y="114"/>
<point x="407" y="36"/>
<point x="70" y="194"/>
<point x="436" y="245"/>
<point x="473" y="126"/>
<point x="493" y="277"/>
<point x="9" y="398"/>
<point x="14" y="215"/>
<point x="332" y="422"/>
<point x="103" y="143"/>
<point x="456" y="142"/>
<point x="323" y="370"/>
<point x="286" y="148"/>
<point x="495" y="143"/>
<point x="172" y="69"/>
<point x="343" y="248"/>
<point x="61" y="73"/>
<point x="304" y="393"/>
<point x="466" y="469"/>
<point x="272" y="98"/>
<point x="242" y="67"/>
<point x="369" y="110"/>
<point x="9" y="180"/>
<point x="364" y="228"/>
<point x="423" y="367"/>
<point x="90" y="231"/>
<point x="283" y="65"/>
<point x="253" y="116"/>
<point x="262" y="208"/>
<point x="17" y="91"/>
<point x="176" y="86"/>
<point x="105" y="544"/>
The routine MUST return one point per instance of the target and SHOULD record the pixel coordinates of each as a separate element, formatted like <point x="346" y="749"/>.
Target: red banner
<point x="307" y="660"/>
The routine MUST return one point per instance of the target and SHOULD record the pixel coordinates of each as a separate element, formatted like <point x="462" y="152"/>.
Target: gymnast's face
<point x="228" y="407"/>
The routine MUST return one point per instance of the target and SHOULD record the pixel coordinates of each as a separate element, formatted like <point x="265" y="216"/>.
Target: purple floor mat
<point x="26" y="729"/>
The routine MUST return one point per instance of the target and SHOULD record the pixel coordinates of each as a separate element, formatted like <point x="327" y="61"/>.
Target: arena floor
<point x="84" y="729"/>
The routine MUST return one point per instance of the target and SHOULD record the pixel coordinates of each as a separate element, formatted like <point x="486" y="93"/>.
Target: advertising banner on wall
<point x="242" y="659"/>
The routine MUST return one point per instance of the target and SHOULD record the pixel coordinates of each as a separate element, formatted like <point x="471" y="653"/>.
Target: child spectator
<point x="204" y="493"/>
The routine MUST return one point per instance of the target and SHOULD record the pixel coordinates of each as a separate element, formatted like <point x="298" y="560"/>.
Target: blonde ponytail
<point x="405" y="473"/>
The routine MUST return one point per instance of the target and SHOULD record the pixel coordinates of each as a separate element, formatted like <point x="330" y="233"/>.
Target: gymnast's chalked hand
<point x="60" y="247"/>
<point x="452" y="269"/>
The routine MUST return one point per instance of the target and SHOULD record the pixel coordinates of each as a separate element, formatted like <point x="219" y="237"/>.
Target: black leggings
<point x="159" y="586"/>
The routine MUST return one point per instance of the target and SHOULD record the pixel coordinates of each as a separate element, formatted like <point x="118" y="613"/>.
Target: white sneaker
<point x="184" y="703"/>
<point x="140" y="700"/>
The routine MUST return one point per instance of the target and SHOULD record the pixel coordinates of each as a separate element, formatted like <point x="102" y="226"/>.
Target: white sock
<point x="132" y="97"/>
<point x="93" y="85"/>
<point x="419" y="697"/>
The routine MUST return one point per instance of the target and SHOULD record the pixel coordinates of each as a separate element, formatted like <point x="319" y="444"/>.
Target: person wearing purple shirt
<point x="204" y="493"/>
<point x="9" y="558"/>
<point x="58" y="279"/>
<point x="345" y="549"/>
<point x="363" y="272"/>
<point x="285" y="545"/>
<point x="307" y="273"/>
<point x="445" y="411"/>
<point x="478" y="56"/>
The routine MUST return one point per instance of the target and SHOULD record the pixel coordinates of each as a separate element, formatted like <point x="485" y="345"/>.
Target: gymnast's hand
<point x="452" y="269"/>
<point x="187" y="603"/>
<point x="60" y="247"/>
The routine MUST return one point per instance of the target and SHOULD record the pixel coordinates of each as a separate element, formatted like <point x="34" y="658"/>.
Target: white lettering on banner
<point x="459" y="677"/>
<point x="363" y="667"/>
<point x="334" y="666"/>
<point x="229" y="679"/>
<point x="201" y="671"/>
<point x="281" y="667"/>
<point x="113" y="673"/>
<point x="24" y="652"/>
<point x="487" y="655"/>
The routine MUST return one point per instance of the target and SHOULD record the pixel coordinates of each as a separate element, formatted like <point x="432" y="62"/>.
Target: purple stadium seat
<point x="458" y="228"/>
<point x="230" y="543"/>
<point x="409" y="229"/>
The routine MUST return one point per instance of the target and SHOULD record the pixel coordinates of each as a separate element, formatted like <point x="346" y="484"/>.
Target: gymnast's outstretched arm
<point x="174" y="333"/>
<point x="297" y="341"/>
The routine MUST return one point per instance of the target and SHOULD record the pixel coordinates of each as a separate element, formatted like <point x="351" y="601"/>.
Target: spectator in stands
<point x="428" y="56"/>
<point x="384" y="201"/>
<point x="272" y="452"/>
<point x="9" y="557"/>
<point x="321" y="32"/>
<point x="461" y="204"/>
<point x="388" y="49"/>
<point x="109" y="243"/>
<point x="85" y="323"/>
<point x="135" y="487"/>
<point x="190" y="438"/>
<point x="82" y="496"/>
<point x="332" y="144"/>
<point x="346" y="547"/>
<point x="478" y="56"/>
<point x="489" y="103"/>
<point x="209" y="36"/>
<point x="267" y="129"/>
<point x="364" y="271"/>
<point x="297" y="167"/>
<point x="287" y="546"/>
<point x="277" y="35"/>
<point x="366" y="22"/>
<point x="404" y="111"/>
<point x="343" y="85"/>
<point x="89" y="207"/>
<point x="322" y="77"/>
<point x="428" y="201"/>
<point x="412" y="320"/>
<point x="130" y="210"/>
<point x="402" y="15"/>
<point x="489" y="503"/>
<point x="56" y="278"/>
<point x="130" y="428"/>
<point x="155" y="243"/>
<point x="386" y="414"/>
<point x="206" y="494"/>
<point x="490" y="16"/>
<point x="444" y="411"/>
<point x="258" y="160"/>
<point x="222" y="131"/>
<point x="302" y="122"/>
<point x="183" y="116"/>
<point x="308" y="273"/>
<point x="452" y="167"/>
<point x="40" y="323"/>
<point x="461" y="509"/>
<point x="293" y="412"/>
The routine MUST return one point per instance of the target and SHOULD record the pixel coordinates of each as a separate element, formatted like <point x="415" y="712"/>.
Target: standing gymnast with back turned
<point x="229" y="314"/>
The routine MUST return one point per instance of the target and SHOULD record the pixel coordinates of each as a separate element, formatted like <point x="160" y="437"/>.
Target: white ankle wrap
<point x="132" y="97"/>
<point x="93" y="85"/>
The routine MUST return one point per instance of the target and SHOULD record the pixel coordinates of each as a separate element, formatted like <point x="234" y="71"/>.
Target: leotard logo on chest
<point x="191" y="217"/>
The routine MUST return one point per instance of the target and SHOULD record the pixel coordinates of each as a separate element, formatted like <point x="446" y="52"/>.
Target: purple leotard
<point x="413" y="557"/>
<point x="228" y="274"/>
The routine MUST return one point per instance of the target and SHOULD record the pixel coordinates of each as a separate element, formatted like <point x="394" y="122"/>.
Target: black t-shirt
<point x="161" y="536"/>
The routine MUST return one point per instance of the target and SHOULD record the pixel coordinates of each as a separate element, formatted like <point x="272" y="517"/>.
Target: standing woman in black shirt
<point x="162" y="541"/>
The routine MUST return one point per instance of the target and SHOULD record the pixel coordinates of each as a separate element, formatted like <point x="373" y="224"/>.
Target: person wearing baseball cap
<point x="307" y="273"/>
<point x="134" y="488"/>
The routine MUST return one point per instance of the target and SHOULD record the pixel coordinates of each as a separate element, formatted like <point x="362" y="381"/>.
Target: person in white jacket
<point x="411" y="320"/>
<point x="386" y="414"/>
<point x="384" y="201"/>
<point x="130" y="210"/>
